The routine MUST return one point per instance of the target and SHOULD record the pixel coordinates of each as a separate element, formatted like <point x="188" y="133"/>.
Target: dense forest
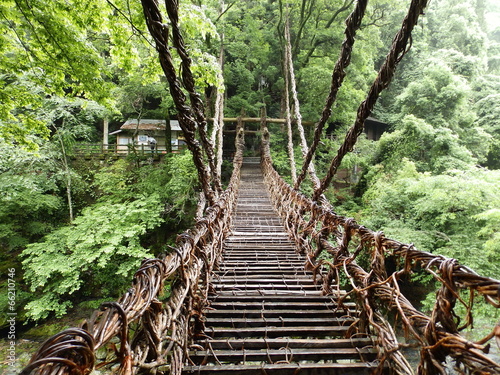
<point x="75" y="229"/>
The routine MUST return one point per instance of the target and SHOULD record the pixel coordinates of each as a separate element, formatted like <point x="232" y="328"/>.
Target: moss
<point x="24" y="350"/>
<point x="91" y="305"/>
<point x="44" y="331"/>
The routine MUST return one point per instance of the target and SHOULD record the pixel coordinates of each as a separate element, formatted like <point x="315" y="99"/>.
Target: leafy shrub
<point x="453" y="214"/>
<point x="137" y="210"/>
<point x="101" y="246"/>
<point x="29" y="201"/>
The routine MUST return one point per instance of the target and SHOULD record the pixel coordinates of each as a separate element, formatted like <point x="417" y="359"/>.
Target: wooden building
<point x="375" y="128"/>
<point x="146" y="128"/>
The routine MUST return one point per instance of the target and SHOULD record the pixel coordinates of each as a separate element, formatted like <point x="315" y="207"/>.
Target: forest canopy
<point x="66" y="66"/>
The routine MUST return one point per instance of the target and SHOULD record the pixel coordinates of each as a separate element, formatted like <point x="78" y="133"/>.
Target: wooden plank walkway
<point x="268" y="317"/>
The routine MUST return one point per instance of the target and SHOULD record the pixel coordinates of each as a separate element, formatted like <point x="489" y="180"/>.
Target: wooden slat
<point x="229" y="284"/>
<point x="302" y="314"/>
<point x="277" y="321"/>
<point x="267" y="292"/>
<point x="260" y="271"/>
<point x="237" y="305"/>
<point x="266" y="308"/>
<point x="285" y="354"/>
<point x="285" y="298"/>
<point x="257" y="267"/>
<point x="286" y="369"/>
<point x="276" y="343"/>
<point x="307" y="331"/>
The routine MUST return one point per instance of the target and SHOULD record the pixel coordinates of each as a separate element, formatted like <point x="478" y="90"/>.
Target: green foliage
<point x="439" y="213"/>
<point x="315" y="85"/>
<point x="488" y="110"/>
<point x="456" y="25"/>
<point x="173" y="180"/>
<point x="75" y="54"/>
<point x="143" y="99"/>
<point x="467" y="66"/>
<point x="16" y="125"/>
<point x="102" y="245"/>
<point x="29" y="201"/>
<point x="48" y="40"/>
<point x="279" y="154"/>
<point x="95" y="257"/>
<point x="489" y="230"/>
<point x="78" y="118"/>
<point x="432" y="149"/>
<point x="180" y="189"/>
<point x="445" y="82"/>
<point x="112" y="183"/>
<point x="252" y="67"/>
<point x="361" y="156"/>
<point x="198" y="29"/>
<point x="315" y="82"/>
<point x="438" y="96"/>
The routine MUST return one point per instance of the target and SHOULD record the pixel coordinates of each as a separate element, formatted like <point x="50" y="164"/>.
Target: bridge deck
<point x="268" y="316"/>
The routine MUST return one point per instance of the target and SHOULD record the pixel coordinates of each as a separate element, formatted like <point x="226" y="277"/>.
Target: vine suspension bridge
<point x="270" y="281"/>
<point x="250" y="294"/>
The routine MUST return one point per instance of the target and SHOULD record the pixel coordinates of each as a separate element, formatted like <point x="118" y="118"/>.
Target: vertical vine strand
<point x="384" y="77"/>
<point x="296" y="105"/>
<point x="288" y="120"/>
<point x="353" y="23"/>
<point x="172" y="7"/>
<point x="159" y="32"/>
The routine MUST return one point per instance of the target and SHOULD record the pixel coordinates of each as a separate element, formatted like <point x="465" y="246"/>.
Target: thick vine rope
<point x="187" y="122"/>
<point x="172" y="7"/>
<point x="288" y="119"/>
<point x="353" y="23"/>
<point x="218" y="128"/>
<point x="386" y="72"/>
<point x="296" y="104"/>
<point x="218" y="132"/>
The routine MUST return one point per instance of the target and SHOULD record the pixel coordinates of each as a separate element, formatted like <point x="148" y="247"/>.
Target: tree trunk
<point x="168" y="134"/>
<point x="105" y="132"/>
<point x="291" y="154"/>
<point x="67" y="173"/>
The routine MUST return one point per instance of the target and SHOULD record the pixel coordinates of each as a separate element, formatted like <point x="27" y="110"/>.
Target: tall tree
<point x="54" y="48"/>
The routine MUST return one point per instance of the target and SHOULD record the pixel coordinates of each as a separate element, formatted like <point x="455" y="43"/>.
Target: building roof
<point x="150" y="124"/>
<point x="374" y="120"/>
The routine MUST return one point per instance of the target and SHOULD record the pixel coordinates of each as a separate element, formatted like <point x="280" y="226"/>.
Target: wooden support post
<point x="105" y="132"/>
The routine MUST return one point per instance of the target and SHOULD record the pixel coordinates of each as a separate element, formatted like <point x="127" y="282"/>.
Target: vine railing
<point x="333" y="244"/>
<point x="150" y="326"/>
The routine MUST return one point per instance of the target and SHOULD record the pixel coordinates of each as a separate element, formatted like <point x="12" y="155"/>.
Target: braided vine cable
<point x="298" y="116"/>
<point x="353" y="23"/>
<point x="398" y="50"/>
<point x="172" y="7"/>
<point x="288" y="121"/>
<point x="159" y="32"/>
